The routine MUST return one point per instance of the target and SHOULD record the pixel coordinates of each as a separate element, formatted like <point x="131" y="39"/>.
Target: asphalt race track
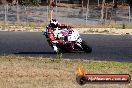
<point x="105" y="47"/>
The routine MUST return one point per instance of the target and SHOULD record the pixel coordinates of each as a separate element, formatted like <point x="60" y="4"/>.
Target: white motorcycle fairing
<point x="71" y="36"/>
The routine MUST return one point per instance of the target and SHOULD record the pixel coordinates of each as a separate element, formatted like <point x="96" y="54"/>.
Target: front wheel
<point x="86" y="47"/>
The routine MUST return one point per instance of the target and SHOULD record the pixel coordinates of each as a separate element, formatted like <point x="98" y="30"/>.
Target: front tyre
<point x="86" y="47"/>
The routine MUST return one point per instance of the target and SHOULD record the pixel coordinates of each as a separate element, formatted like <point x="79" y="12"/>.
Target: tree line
<point x="45" y="2"/>
<point x="83" y="3"/>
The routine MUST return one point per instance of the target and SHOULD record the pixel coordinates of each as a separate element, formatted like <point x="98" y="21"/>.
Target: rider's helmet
<point x="54" y="23"/>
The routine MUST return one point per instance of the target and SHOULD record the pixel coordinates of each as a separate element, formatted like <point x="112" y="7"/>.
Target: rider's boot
<point x="55" y="48"/>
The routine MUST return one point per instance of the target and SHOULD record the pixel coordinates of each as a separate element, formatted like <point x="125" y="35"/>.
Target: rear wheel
<point x="86" y="47"/>
<point x="60" y="49"/>
<point x="63" y="49"/>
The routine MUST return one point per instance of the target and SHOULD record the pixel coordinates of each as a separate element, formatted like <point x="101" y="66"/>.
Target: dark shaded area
<point x="46" y="2"/>
<point x="35" y="53"/>
<point x="130" y="4"/>
<point x="9" y="1"/>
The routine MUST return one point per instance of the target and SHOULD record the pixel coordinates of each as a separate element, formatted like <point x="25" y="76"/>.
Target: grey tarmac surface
<point x="105" y="47"/>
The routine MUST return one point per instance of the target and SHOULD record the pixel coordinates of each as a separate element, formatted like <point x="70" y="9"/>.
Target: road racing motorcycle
<point x="66" y="40"/>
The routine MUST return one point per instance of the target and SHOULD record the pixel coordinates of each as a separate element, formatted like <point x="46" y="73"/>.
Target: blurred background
<point x="81" y="13"/>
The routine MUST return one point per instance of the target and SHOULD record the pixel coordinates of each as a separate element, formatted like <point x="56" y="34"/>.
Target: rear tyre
<point x="86" y="47"/>
<point x="61" y="49"/>
<point x="58" y="51"/>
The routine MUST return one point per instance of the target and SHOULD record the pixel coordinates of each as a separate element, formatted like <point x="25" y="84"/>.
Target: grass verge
<point x="39" y="72"/>
<point x="28" y="26"/>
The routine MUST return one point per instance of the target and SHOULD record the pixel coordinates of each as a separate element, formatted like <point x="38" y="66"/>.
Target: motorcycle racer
<point x="54" y="33"/>
<point x="56" y="28"/>
<point x="64" y="38"/>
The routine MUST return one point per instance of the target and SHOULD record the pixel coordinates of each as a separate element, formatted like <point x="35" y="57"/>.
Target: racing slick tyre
<point x="60" y="49"/>
<point x="86" y="47"/>
<point x="64" y="49"/>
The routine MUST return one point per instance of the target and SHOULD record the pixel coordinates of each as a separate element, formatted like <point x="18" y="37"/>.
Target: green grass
<point x="90" y="64"/>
